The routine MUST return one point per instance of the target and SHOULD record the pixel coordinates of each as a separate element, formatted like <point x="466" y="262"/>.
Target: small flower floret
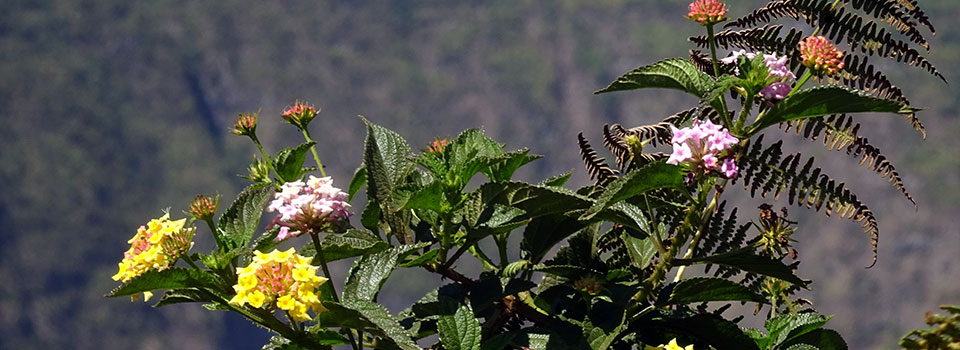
<point x="299" y="114"/>
<point x="705" y="146"/>
<point x="283" y="280"/>
<point x="775" y="91"/>
<point x="672" y="345"/>
<point x="203" y="207"/>
<point x="308" y="207"/>
<point x="246" y="125"/>
<point x="821" y="55"/>
<point x="707" y="12"/>
<point x="156" y="246"/>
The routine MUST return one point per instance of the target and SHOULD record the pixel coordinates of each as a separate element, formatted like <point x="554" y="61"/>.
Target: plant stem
<point x="803" y="80"/>
<point x="323" y="265"/>
<point x="313" y="148"/>
<point x="502" y="249"/>
<point x="716" y="74"/>
<point x="705" y="217"/>
<point x="266" y="158"/>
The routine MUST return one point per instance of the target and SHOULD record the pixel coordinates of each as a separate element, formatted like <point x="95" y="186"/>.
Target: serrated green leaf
<point x="459" y="331"/>
<point x="827" y="100"/>
<point x="289" y="162"/>
<point x="429" y="256"/>
<point x="370" y="272"/>
<point x="701" y="289"/>
<point x="357" y="182"/>
<point x="350" y="244"/>
<point x="651" y="177"/>
<point x="559" y="180"/>
<point x="429" y="197"/>
<point x="671" y="73"/>
<point x="369" y="317"/>
<point x="640" y="250"/>
<point x="386" y="157"/>
<point x="239" y="222"/>
<point x="503" y="168"/>
<point x="183" y="296"/>
<point x="172" y="278"/>
<point x="370" y="216"/>
<point x="543" y="233"/>
<point x="819" y="339"/>
<point x="799" y="325"/>
<point x="745" y="260"/>
<point x="568" y="271"/>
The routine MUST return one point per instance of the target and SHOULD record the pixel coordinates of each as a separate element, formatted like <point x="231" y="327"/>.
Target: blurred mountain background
<point x="115" y="110"/>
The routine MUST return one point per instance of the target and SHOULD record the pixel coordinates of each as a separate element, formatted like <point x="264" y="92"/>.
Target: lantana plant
<point x="603" y="266"/>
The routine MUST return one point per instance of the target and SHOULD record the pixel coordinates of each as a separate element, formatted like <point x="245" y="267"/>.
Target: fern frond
<point x="862" y="75"/>
<point x="704" y="63"/>
<point x="840" y="133"/>
<point x="616" y="146"/>
<point x="760" y="39"/>
<point x="763" y="170"/>
<point x="773" y="10"/>
<point x="596" y="166"/>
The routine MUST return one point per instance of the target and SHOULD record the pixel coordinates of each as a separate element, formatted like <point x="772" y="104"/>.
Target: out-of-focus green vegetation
<point x="116" y="110"/>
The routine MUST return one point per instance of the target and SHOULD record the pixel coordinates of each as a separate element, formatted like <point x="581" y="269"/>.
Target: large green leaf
<point x="821" y="339"/>
<point x="503" y="167"/>
<point x="386" y="157"/>
<point x="460" y="330"/>
<point x="183" y="296"/>
<point x="650" y="177"/>
<point x="640" y="250"/>
<point x="429" y="197"/>
<point x="671" y="73"/>
<point x="827" y="100"/>
<point x="172" y="278"/>
<point x="701" y="289"/>
<point x="350" y="244"/>
<point x="543" y="233"/>
<point x="745" y="260"/>
<point x="239" y="222"/>
<point x="357" y="182"/>
<point x="792" y="326"/>
<point x="289" y="162"/>
<point x="369" y="317"/>
<point x="370" y="272"/>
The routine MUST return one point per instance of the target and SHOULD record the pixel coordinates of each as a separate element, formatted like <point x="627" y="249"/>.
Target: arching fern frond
<point x="773" y="10"/>
<point x="616" y="146"/>
<point x="840" y="133"/>
<point x="760" y="39"/>
<point x="858" y="73"/>
<point x="763" y="171"/>
<point x="596" y="166"/>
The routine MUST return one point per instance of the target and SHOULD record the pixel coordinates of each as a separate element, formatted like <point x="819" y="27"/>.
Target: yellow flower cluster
<point x="285" y="278"/>
<point x="671" y="346"/>
<point x="156" y="246"/>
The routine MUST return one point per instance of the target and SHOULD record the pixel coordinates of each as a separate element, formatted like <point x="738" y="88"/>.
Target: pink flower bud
<point x="707" y="12"/>
<point x="821" y="55"/>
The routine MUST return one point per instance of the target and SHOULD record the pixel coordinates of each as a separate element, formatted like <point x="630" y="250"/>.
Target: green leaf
<point x="559" y="180"/>
<point x="651" y="177"/>
<point x="239" y="222"/>
<point x="172" y="278"/>
<point x="350" y="244"/>
<point x="821" y="339"/>
<point x="369" y="317"/>
<point x="671" y="73"/>
<point x="745" y="260"/>
<point x="827" y="100"/>
<point x="370" y="216"/>
<point x="498" y="342"/>
<point x="701" y="289"/>
<point x="798" y="325"/>
<point x="503" y="168"/>
<point x="543" y="233"/>
<point x="289" y="162"/>
<point x="429" y="256"/>
<point x="357" y="182"/>
<point x="640" y="250"/>
<point x="429" y="197"/>
<point x="183" y="296"/>
<point x="386" y="158"/>
<point x="370" y="272"/>
<point x="459" y="331"/>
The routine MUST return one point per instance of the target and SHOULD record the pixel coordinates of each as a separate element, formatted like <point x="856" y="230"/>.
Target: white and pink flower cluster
<point x="307" y="206"/>
<point x="778" y="70"/>
<point x="704" y="145"/>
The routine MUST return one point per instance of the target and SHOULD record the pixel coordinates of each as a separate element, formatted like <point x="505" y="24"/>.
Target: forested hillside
<point x="116" y="110"/>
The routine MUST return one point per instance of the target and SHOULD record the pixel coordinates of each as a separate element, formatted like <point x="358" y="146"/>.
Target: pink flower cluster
<point x="707" y="12"/>
<point x="307" y="206"/>
<point x="821" y="55"/>
<point x="703" y="146"/>
<point x="778" y="71"/>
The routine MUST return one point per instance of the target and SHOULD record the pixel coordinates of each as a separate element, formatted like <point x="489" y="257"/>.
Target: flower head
<point x="777" y="66"/>
<point x="707" y="12"/>
<point x="299" y="115"/>
<point x="156" y="246"/>
<point x="246" y="125"/>
<point x="283" y="280"/>
<point x="705" y="146"/>
<point x="672" y="345"/>
<point x="308" y="206"/>
<point x="203" y="207"/>
<point x="775" y="91"/>
<point x="438" y="145"/>
<point x="821" y="55"/>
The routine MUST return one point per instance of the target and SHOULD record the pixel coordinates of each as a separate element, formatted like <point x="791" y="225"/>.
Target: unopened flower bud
<point x="821" y="55"/>
<point x="438" y="145"/>
<point x="299" y="115"/>
<point x="259" y="171"/>
<point x="246" y="125"/>
<point x="203" y="207"/>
